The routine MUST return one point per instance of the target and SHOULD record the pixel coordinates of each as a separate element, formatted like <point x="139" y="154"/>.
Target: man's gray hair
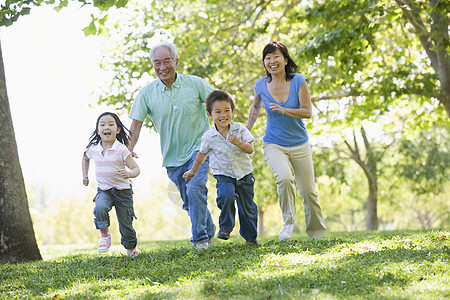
<point x="172" y="48"/>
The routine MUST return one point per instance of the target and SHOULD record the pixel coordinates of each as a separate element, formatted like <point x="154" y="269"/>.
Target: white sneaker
<point x="202" y="245"/>
<point x="286" y="232"/>
<point x="105" y="243"/>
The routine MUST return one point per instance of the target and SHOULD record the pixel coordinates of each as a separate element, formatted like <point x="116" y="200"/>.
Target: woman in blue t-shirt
<point x="286" y="100"/>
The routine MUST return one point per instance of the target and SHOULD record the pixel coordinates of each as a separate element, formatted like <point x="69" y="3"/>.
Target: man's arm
<point x="135" y="130"/>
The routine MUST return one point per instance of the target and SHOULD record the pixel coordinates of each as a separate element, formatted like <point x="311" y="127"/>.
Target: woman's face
<point x="275" y="62"/>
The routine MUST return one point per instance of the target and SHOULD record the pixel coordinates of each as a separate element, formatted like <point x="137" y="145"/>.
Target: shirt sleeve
<point x="88" y="153"/>
<point x="125" y="152"/>
<point x="139" y="109"/>
<point x="246" y="135"/>
<point x="204" y="147"/>
<point x="203" y="87"/>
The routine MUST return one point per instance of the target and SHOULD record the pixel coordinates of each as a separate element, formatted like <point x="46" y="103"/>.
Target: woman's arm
<point x="254" y="112"/>
<point x="304" y="99"/>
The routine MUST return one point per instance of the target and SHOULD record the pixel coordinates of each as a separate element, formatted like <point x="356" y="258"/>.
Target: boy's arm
<point x="132" y="165"/>
<point x="199" y="160"/>
<point x="246" y="147"/>
<point x="85" y="169"/>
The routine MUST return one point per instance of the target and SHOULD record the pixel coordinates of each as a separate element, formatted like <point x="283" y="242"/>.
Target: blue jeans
<point x="230" y="190"/>
<point x="123" y="201"/>
<point x="195" y="197"/>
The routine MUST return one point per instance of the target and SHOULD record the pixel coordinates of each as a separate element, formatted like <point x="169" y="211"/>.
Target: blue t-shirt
<point x="282" y="129"/>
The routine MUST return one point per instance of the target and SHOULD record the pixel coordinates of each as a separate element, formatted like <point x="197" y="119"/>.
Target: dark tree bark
<point x="17" y="239"/>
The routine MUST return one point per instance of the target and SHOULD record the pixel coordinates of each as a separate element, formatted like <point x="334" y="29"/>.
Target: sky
<point x="52" y="73"/>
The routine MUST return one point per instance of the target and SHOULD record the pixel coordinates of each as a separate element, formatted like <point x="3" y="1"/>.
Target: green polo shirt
<point x="179" y="115"/>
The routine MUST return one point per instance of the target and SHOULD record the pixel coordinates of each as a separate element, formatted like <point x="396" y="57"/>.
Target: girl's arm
<point x="246" y="147"/>
<point x="199" y="160"/>
<point x="254" y="112"/>
<point x="132" y="165"/>
<point x="304" y="99"/>
<point x="85" y="169"/>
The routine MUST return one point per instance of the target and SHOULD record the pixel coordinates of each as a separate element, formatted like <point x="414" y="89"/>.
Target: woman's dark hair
<point x="290" y="68"/>
<point x="217" y="95"/>
<point x="122" y="136"/>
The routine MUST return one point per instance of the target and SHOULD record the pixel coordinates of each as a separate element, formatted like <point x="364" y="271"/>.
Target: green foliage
<point x="425" y="162"/>
<point x="360" y="265"/>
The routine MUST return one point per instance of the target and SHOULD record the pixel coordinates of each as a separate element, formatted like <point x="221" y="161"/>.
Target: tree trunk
<point x="372" y="218"/>
<point x="17" y="239"/>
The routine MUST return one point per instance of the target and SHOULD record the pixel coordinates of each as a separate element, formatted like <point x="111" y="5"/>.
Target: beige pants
<point x="281" y="160"/>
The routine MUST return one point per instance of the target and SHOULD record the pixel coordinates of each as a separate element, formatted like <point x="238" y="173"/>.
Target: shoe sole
<point x="102" y="251"/>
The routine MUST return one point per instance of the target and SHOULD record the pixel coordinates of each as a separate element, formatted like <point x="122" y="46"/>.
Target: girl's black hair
<point x="122" y="136"/>
<point x="218" y="95"/>
<point x="290" y="68"/>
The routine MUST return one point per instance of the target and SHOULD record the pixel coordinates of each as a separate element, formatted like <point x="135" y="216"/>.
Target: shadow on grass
<point x="232" y="269"/>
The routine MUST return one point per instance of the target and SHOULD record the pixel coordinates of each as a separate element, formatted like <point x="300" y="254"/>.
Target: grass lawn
<point x="357" y="265"/>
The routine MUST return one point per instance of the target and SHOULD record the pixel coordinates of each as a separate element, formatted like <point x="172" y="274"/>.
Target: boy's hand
<point x="188" y="175"/>
<point x="85" y="180"/>
<point x="233" y="139"/>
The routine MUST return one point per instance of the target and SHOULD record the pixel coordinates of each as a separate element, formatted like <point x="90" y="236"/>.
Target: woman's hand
<point x="278" y="108"/>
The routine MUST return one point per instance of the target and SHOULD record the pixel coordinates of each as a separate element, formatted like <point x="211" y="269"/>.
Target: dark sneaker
<point x="252" y="242"/>
<point x="224" y="234"/>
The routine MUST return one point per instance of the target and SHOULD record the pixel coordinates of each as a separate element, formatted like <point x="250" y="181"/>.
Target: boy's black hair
<point x="218" y="95"/>
<point x="290" y="68"/>
<point x="122" y="136"/>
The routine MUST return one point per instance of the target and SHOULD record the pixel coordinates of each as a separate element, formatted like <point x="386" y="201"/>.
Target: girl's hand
<point x="278" y="108"/>
<point x="85" y="180"/>
<point x="124" y="173"/>
<point x="188" y="175"/>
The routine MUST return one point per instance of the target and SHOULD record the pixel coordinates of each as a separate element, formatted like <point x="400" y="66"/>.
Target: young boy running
<point x="230" y="144"/>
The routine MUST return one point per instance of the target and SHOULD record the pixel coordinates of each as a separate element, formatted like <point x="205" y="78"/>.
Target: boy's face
<point x="221" y="114"/>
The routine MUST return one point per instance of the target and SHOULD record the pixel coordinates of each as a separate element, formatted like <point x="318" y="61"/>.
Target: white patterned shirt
<point x="224" y="157"/>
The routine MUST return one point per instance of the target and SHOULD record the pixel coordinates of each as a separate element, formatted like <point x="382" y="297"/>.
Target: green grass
<point x="360" y="265"/>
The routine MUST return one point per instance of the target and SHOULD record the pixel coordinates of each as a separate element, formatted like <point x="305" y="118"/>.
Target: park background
<point x="54" y="81"/>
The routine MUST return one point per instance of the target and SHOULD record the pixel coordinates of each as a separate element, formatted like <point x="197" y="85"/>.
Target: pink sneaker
<point x="105" y="243"/>
<point x="132" y="253"/>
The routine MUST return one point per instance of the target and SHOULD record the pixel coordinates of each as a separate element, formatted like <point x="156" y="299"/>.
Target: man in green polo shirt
<point x="175" y="103"/>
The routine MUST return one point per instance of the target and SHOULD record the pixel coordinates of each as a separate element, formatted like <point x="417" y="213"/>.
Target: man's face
<point x="164" y="65"/>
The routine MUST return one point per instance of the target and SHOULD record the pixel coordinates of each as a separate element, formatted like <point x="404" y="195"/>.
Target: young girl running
<point x="107" y="147"/>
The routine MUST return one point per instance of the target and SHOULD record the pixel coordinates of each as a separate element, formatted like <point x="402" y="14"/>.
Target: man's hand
<point x="85" y="180"/>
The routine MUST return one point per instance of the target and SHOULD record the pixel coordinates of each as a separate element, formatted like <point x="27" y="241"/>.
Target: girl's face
<point x="275" y="62"/>
<point x="107" y="129"/>
<point x="221" y="114"/>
